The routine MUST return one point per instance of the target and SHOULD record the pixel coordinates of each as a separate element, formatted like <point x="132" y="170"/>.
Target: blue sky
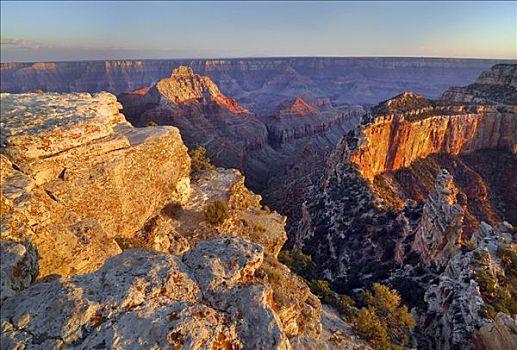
<point x="32" y="31"/>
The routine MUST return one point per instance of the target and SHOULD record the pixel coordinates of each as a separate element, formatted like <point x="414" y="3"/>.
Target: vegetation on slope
<point x="383" y="322"/>
<point x="199" y="160"/>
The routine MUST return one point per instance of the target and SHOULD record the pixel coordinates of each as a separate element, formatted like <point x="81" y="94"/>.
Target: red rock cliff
<point x="399" y="131"/>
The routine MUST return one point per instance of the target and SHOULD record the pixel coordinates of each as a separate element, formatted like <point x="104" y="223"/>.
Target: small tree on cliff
<point x="199" y="160"/>
<point x="383" y="322"/>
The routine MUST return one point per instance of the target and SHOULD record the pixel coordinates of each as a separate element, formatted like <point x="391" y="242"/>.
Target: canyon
<point x="102" y="211"/>
<point x="258" y="84"/>
<point x="273" y="151"/>
<point x="408" y="190"/>
<point x="105" y="241"/>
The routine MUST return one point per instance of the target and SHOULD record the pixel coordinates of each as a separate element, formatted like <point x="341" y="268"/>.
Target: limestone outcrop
<point x="438" y="235"/>
<point x="207" y="298"/>
<point x="76" y="175"/>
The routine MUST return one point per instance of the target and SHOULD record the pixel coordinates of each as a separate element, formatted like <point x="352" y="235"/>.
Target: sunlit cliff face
<point x="410" y="127"/>
<point x="184" y="87"/>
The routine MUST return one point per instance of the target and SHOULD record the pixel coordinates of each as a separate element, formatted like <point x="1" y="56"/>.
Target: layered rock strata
<point x="401" y="130"/>
<point x="206" y="117"/>
<point x="258" y="84"/>
<point x="75" y="175"/>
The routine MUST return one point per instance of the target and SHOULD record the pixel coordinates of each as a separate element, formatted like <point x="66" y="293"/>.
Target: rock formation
<point x="206" y="117"/>
<point x="206" y="298"/>
<point x="399" y="131"/>
<point x="438" y="234"/>
<point x="497" y="85"/>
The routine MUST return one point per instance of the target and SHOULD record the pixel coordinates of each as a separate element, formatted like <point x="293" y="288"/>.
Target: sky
<point x="89" y="30"/>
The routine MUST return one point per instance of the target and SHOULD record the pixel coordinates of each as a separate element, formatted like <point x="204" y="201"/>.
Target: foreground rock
<point x="75" y="175"/>
<point x="206" y="299"/>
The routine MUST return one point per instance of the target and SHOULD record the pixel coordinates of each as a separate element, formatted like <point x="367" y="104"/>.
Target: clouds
<point x="21" y="43"/>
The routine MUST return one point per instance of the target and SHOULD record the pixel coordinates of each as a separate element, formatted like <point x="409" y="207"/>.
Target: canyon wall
<point x="394" y="139"/>
<point x="258" y="83"/>
<point x="497" y="85"/>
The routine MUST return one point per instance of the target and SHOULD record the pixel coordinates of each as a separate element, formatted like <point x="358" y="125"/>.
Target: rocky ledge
<point x="207" y="298"/>
<point x="75" y="175"/>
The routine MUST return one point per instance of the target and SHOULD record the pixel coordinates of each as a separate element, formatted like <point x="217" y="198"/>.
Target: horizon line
<point x="262" y="58"/>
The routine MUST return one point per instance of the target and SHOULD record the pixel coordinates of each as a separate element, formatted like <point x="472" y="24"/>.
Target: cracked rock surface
<point x="205" y="299"/>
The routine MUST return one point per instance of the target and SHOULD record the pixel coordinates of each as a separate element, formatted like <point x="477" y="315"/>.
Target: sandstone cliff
<point x="401" y="130"/>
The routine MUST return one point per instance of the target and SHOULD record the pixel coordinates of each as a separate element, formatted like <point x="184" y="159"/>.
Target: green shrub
<point x="151" y="123"/>
<point x="486" y="281"/>
<point x="199" y="160"/>
<point x="297" y="261"/>
<point x="384" y="323"/>
<point x="322" y="290"/>
<point x="216" y="212"/>
<point x="369" y="327"/>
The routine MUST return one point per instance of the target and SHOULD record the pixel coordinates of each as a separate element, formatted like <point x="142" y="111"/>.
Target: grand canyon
<point x="257" y="203"/>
